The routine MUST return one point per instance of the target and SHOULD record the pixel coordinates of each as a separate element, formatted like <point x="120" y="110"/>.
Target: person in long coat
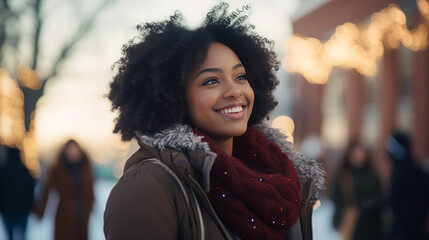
<point x="357" y="196"/>
<point x="71" y="176"/>
<point x="409" y="191"/>
<point x="16" y="192"/>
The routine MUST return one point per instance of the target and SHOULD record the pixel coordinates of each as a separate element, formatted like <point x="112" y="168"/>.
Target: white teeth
<point x="232" y="110"/>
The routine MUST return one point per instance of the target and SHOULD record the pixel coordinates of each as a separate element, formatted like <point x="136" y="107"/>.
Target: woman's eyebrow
<point x="208" y="70"/>
<point x="216" y="69"/>
<point x="237" y="66"/>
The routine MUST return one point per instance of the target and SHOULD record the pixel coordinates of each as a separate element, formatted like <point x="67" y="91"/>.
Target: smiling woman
<point x="208" y="167"/>
<point x="219" y="98"/>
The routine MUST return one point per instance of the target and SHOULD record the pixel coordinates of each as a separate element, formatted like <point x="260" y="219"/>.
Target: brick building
<point x="352" y="103"/>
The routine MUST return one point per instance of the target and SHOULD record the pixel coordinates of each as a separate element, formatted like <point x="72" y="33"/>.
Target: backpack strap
<point x="181" y="185"/>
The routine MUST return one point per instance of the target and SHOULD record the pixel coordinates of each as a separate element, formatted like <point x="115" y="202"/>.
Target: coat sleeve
<point x="48" y="185"/>
<point x="142" y="206"/>
<point x="338" y="201"/>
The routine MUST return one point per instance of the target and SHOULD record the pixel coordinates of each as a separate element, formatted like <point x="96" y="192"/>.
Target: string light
<point x="28" y="77"/>
<point x="12" y="127"/>
<point x="286" y="126"/>
<point x="356" y="47"/>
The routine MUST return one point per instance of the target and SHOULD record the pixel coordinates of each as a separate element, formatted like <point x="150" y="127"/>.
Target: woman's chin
<point x="239" y="132"/>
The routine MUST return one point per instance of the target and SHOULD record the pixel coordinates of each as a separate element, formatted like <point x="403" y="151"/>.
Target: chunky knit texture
<point x="257" y="191"/>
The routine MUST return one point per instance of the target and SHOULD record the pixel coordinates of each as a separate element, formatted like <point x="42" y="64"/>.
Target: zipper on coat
<point x="306" y="210"/>
<point x="200" y="216"/>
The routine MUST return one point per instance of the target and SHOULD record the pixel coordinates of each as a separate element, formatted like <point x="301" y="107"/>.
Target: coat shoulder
<point x="151" y="199"/>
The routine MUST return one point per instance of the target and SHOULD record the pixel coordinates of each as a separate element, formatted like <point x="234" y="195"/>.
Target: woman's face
<point x="358" y="156"/>
<point x="219" y="97"/>
<point x="73" y="153"/>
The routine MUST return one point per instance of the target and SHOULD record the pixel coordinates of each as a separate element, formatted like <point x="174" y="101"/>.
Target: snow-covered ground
<point x="322" y="222"/>
<point x="43" y="229"/>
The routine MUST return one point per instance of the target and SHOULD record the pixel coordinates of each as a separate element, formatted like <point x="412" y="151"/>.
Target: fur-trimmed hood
<point x="181" y="137"/>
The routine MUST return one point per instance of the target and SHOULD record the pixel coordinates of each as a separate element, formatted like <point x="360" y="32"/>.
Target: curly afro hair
<point x="149" y="87"/>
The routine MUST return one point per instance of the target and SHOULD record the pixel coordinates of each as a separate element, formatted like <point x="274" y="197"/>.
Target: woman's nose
<point x="232" y="90"/>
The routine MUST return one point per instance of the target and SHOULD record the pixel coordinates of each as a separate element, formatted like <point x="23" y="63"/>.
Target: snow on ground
<point x="43" y="229"/>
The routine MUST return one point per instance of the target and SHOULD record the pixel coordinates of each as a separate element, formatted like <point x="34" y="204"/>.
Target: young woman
<point x="71" y="176"/>
<point x="208" y="166"/>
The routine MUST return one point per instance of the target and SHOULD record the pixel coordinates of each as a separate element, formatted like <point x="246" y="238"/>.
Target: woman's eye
<point x="210" y="81"/>
<point x="242" y="77"/>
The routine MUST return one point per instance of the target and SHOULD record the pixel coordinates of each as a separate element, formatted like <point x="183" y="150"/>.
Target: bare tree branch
<point x="39" y="22"/>
<point x="5" y="5"/>
<point x="11" y="34"/>
<point x="5" y="14"/>
<point x="85" y="27"/>
<point x="10" y="38"/>
<point x="32" y="96"/>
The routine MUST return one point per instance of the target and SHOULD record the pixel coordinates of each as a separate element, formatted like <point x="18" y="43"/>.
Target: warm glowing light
<point x="423" y="7"/>
<point x="117" y="148"/>
<point x="356" y="47"/>
<point x="28" y="77"/>
<point x="307" y="56"/>
<point x="286" y="126"/>
<point x="12" y="129"/>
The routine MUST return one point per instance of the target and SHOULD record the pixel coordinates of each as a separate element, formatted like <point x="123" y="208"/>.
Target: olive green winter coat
<point x="162" y="193"/>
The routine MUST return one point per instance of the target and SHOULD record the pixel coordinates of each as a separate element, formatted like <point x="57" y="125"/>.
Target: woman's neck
<point x="225" y="144"/>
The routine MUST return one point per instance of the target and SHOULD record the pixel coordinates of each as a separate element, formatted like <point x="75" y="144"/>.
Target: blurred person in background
<point x="71" y="176"/>
<point x="209" y="165"/>
<point x="16" y="192"/>
<point x="357" y="196"/>
<point x="409" y="191"/>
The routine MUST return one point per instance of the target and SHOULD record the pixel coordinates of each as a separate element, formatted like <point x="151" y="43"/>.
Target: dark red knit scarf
<point x="256" y="193"/>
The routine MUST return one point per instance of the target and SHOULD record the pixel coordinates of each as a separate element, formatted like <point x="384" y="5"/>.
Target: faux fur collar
<point x="181" y="137"/>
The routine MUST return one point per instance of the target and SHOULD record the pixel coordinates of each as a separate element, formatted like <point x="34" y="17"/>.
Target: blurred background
<point x="350" y="70"/>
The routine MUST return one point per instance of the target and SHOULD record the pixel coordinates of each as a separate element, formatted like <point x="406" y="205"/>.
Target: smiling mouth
<point x="232" y="112"/>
